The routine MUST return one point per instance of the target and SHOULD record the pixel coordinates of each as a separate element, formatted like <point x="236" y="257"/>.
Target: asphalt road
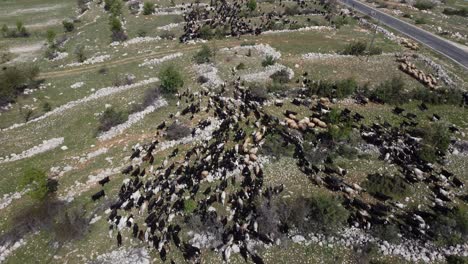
<point x="436" y="43"/>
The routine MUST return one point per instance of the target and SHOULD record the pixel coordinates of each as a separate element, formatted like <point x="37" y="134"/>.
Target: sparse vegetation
<point x="390" y="91"/>
<point x="68" y="25"/>
<point x="424" y="4"/>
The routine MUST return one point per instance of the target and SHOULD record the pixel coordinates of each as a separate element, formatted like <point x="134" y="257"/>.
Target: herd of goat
<point x="224" y="169"/>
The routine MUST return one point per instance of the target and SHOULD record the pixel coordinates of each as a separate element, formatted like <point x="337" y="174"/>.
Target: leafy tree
<point x="252" y="5"/>
<point x="171" y="79"/>
<point x="148" y="8"/>
<point x="37" y="181"/>
<point x="14" y="80"/>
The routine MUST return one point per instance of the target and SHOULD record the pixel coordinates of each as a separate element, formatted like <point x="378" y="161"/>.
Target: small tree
<point x="80" y="53"/>
<point x="252" y="5"/>
<point x="111" y="118"/>
<point x="40" y="186"/>
<point x="204" y="55"/>
<point x="68" y="25"/>
<point x="171" y="79"/>
<point x="148" y="8"/>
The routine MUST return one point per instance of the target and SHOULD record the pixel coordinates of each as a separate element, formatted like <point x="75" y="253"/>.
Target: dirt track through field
<point x="115" y="63"/>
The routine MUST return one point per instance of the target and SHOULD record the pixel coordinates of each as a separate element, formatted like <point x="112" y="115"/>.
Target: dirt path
<point x="132" y="59"/>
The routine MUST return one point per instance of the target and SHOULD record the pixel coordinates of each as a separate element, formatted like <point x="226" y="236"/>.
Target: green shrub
<point x="374" y="50"/>
<point x="340" y="21"/>
<point x="14" y="80"/>
<point x="439" y="96"/>
<point x="459" y="12"/>
<point x="453" y="259"/>
<point x="206" y="32"/>
<point x="339" y="89"/>
<point x="166" y="34"/>
<point x="189" y="206"/>
<point x="38" y="183"/>
<point x="435" y="141"/>
<point x="111" y="118"/>
<point x="171" y="80"/>
<point x="251" y="5"/>
<point x="281" y="76"/>
<point x="420" y="20"/>
<point x="204" y="55"/>
<point x="393" y="186"/>
<point x="391" y="92"/>
<point x="355" y="48"/>
<point x="148" y="8"/>
<point x="452" y="228"/>
<point x="292" y="10"/>
<point x="387" y="232"/>
<point x="46" y="107"/>
<point x="241" y="66"/>
<point x="275" y="87"/>
<point x="269" y="60"/>
<point x="424" y="5"/>
<point x="327" y="213"/>
<point x="177" y="131"/>
<point x="276" y="147"/>
<point x="80" y="53"/>
<point x="68" y="25"/>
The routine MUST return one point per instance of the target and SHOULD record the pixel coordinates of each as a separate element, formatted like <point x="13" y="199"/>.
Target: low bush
<point x="46" y="107"/>
<point x="355" y="48"/>
<point x="251" y="5"/>
<point x="374" y="50"/>
<point x="339" y="89"/>
<point x="420" y="21"/>
<point x="177" y="131"/>
<point x="281" y="76"/>
<point x="387" y="232"/>
<point x="151" y="95"/>
<point x="453" y="259"/>
<point x="80" y="53"/>
<point x="269" y="60"/>
<point x="206" y="32"/>
<point x="111" y="118"/>
<point x="451" y="228"/>
<point x="39" y="184"/>
<point x="189" y="206"/>
<point x="68" y="25"/>
<point x="241" y="66"/>
<point x="340" y="21"/>
<point x="14" y="80"/>
<point x="258" y="92"/>
<point x="292" y="10"/>
<point x="166" y="34"/>
<point x="390" y="91"/>
<point x="459" y="12"/>
<point x="276" y="147"/>
<point x="148" y="8"/>
<point x="424" y="4"/>
<point x="439" y="96"/>
<point x="171" y="80"/>
<point x="393" y="186"/>
<point x="435" y="141"/>
<point x="204" y="55"/>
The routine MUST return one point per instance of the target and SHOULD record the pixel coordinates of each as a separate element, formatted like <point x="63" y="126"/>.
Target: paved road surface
<point x="438" y="44"/>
